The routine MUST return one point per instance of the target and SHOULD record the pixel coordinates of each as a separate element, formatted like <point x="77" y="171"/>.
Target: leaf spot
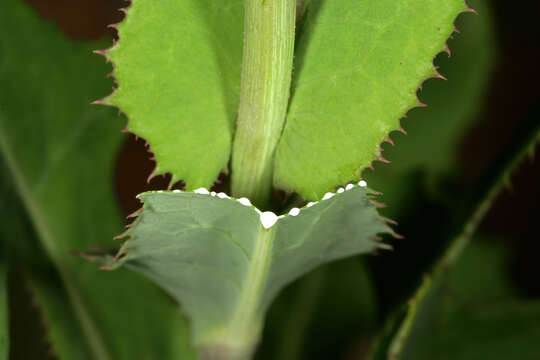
<point x="294" y="211"/>
<point x="244" y="201"/>
<point x="201" y="191"/>
<point x="222" y="195"/>
<point x="328" y="195"/>
<point x="268" y="219"/>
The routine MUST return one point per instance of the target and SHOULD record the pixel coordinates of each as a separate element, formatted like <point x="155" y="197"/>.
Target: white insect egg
<point x="268" y="219"/>
<point x="310" y="204"/>
<point x="213" y="193"/>
<point x="294" y="211"/>
<point x="349" y="186"/>
<point x="328" y="195"/>
<point x="201" y="191"/>
<point x="222" y="195"/>
<point x="176" y="191"/>
<point x="362" y="183"/>
<point x="244" y="201"/>
<point x="340" y="190"/>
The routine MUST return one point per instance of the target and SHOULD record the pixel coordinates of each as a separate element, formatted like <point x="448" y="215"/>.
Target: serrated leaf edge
<point x="106" y="101"/>
<point x="419" y="104"/>
<point x="267" y="218"/>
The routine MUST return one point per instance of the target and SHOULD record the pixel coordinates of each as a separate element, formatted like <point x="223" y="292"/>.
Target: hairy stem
<point x="265" y="87"/>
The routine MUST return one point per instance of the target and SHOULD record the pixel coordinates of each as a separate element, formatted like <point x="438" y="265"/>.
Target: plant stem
<point x="266" y="77"/>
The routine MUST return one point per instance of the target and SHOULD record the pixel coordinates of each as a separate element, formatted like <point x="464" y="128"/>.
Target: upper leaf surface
<point x="178" y="70"/>
<point x="435" y="133"/>
<point x="59" y="151"/>
<point x="358" y="65"/>
<point x="183" y="240"/>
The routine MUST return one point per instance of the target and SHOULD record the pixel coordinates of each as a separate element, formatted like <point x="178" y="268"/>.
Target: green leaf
<point x="471" y="312"/>
<point x="184" y="240"/>
<point x="59" y="153"/>
<point x="358" y="65"/>
<point x="452" y="104"/>
<point x="430" y="149"/>
<point x="178" y="69"/>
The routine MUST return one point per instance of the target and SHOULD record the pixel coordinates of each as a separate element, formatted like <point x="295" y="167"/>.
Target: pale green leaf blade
<point x="59" y="151"/>
<point x="453" y="105"/>
<point x="435" y="134"/>
<point x="182" y="240"/>
<point x="342" y="226"/>
<point x="178" y="66"/>
<point x="358" y="66"/>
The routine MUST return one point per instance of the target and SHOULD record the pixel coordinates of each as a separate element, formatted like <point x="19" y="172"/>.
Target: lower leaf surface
<point x="225" y="265"/>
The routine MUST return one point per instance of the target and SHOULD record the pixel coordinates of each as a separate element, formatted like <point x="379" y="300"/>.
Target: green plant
<point x="304" y="136"/>
<point x="296" y="96"/>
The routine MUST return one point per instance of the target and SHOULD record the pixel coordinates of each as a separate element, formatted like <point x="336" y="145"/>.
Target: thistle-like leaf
<point x="224" y="261"/>
<point x="358" y="65"/>
<point x="177" y="66"/>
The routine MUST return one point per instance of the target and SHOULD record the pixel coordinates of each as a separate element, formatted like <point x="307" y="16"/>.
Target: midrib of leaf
<point x="245" y="323"/>
<point x="93" y="337"/>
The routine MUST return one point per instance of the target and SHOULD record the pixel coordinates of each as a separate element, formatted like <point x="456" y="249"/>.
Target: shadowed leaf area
<point x="58" y="153"/>
<point x="473" y="312"/>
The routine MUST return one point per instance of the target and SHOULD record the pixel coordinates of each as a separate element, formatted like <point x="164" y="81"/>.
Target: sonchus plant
<point x="283" y="96"/>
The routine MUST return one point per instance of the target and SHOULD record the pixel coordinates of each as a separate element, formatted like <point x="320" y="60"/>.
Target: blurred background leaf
<point x="473" y="312"/>
<point x="4" y="337"/>
<point x="58" y="156"/>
